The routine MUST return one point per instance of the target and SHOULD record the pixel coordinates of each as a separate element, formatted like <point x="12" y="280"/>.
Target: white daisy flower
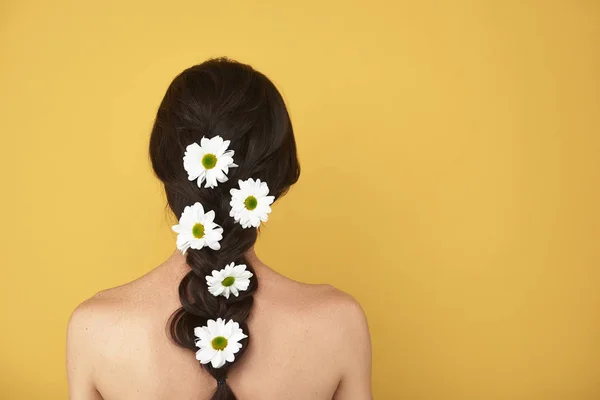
<point x="208" y="161"/>
<point x="218" y="342"/>
<point x="197" y="229"/>
<point x="250" y="204"/>
<point x="231" y="279"/>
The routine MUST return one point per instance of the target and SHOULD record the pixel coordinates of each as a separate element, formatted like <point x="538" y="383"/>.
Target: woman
<point x="224" y="148"/>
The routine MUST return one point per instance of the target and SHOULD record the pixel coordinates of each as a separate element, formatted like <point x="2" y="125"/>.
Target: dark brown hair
<point x="232" y="100"/>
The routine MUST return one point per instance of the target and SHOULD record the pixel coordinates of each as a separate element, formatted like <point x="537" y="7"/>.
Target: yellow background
<point x="450" y="155"/>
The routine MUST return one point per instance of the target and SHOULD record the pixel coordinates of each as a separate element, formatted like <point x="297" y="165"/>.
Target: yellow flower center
<point x="219" y="343"/>
<point x="251" y="203"/>
<point x="209" y="161"/>
<point x="198" y="231"/>
<point x="228" y="281"/>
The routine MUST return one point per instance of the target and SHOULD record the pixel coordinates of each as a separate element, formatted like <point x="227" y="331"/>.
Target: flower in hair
<point x="250" y="204"/>
<point x="218" y="341"/>
<point x="210" y="161"/>
<point x="197" y="229"/>
<point x="231" y="279"/>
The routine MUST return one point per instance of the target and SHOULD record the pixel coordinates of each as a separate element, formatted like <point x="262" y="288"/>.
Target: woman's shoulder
<point x="313" y="324"/>
<point x="98" y="318"/>
<point x="318" y="304"/>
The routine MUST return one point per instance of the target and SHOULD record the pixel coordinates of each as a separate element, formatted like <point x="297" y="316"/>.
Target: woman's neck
<point x="177" y="263"/>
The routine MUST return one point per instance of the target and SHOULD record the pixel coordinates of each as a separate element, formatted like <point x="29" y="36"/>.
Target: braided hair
<point x="222" y="98"/>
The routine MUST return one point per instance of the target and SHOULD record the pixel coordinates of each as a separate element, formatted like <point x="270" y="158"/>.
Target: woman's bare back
<point x="307" y="342"/>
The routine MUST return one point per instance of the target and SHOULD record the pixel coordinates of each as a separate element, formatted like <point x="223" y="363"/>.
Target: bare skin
<point x="307" y="342"/>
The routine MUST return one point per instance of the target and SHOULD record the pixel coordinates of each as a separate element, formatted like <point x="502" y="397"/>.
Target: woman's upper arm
<point x="79" y="356"/>
<point x="355" y="383"/>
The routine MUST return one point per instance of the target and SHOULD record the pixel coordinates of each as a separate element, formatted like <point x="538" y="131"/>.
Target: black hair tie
<point x="221" y="382"/>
